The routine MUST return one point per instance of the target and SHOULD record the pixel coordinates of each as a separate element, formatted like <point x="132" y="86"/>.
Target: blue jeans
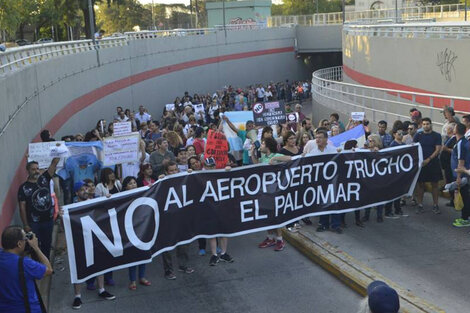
<point x="43" y="231"/>
<point x="380" y="209"/>
<point x="132" y="272"/>
<point x="335" y="221"/>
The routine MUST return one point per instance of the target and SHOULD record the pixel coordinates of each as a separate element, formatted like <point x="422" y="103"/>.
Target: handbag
<point x="458" y="201"/>
<point x="25" y="289"/>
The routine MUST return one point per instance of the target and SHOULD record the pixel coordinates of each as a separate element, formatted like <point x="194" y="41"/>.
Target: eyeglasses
<point x="410" y="128"/>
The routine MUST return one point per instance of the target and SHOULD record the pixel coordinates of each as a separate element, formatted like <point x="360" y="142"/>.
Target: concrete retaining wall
<point x="68" y="94"/>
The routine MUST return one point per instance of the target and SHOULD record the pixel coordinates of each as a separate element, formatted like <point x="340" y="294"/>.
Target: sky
<point x="186" y="2"/>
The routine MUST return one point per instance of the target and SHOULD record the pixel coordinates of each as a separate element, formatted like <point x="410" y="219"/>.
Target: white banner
<point x="44" y="152"/>
<point x="122" y="129"/>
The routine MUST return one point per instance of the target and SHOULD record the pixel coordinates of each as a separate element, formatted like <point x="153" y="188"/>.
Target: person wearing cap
<point x="80" y="189"/>
<point x="381" y="298"/>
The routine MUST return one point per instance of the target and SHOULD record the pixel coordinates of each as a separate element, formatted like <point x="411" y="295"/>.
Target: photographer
<point x="17" y="287"/>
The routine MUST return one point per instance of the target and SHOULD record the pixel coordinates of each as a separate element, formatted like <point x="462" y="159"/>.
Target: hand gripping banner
<point x="132" y="227"/>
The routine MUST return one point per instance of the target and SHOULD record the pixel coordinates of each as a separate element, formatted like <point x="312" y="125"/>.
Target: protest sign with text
<point x="217" y="148"/>
<point x="44" y="152"/>
<point x="123" y="149"/>
<point x="122" y="129"/>
<point x="269" y="113"/>
<point x="132" y="227"/>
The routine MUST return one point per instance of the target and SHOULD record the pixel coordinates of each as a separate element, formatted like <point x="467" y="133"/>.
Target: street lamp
<point x="92" y="21"/>
<point x="223" y="15"/>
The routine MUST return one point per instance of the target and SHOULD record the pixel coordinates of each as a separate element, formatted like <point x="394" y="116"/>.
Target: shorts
<point x="431" y="172"/>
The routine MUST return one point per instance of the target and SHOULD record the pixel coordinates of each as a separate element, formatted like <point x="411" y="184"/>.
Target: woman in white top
<point x="108" y="184"/>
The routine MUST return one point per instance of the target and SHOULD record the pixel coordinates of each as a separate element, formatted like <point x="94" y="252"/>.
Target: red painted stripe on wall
<point x="459" y="105"/>
<point x="9" y="205"/>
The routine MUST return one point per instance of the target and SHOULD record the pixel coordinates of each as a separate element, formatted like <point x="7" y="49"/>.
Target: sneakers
<point x="321" y="229"/>
<point x="461" y="223"/>
<point x="292" y="229"/>
<point x="307" y="221"/>
<point x="185" y="269"/>
<point x="401" y="214"/>
<point x="413" y="202"/>
<point x="436" y="209"/>
<point x="391" y="215"/>
<point x="226" y="258"/>
<point x="202" y="252"/>
<point x="337" y="230"/>
<point x="77" y="303"/>
<point x="214" y="260"/>
<point x="280" y="244"/>
<point x="106" y="295"/>
<point x="419" y="209"/>
<point x="267" y="243"/>
<point x="169" y="275"/>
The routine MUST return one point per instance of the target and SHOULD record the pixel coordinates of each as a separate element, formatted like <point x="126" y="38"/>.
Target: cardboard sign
<point x="170" y="106"/>
<point x="357" y="116"/>
<point x="123" y="149"/>
<point x="292" y="118"/>
<point x="217" y="148"/>
<point x="269" y="113"/>
<point x="44" y="152"/>
<point x="122" y="129"/>
<point x="198" y="108"/>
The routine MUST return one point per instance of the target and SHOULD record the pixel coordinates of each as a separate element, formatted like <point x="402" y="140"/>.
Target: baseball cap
<point x="78" y="185"/>
<point x="382" y="298"/>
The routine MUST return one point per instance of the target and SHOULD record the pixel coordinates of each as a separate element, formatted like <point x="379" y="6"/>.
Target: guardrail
<point x="16" y="58"/>
<point x="419" y="30"/>
<point x="329" y="89"/>
<point x="453" y="12"/>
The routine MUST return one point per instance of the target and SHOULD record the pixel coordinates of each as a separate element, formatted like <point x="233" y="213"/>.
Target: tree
<point x="122" y="17"/>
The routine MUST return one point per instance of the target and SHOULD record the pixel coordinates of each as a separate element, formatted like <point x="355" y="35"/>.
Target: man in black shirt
<point x="35" y="202"/>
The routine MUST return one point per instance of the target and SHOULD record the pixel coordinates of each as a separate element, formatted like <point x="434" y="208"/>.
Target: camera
<point x="29" y="235"/>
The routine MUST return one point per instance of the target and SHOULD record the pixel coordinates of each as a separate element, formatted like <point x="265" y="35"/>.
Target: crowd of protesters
<point x="175" y="143"/>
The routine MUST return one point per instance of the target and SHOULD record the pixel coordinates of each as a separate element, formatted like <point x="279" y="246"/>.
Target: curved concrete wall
<point x="69" y="94"/>
<point x="428" y="65"/>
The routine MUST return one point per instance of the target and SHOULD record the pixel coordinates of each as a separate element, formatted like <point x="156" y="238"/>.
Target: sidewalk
<point x="422" y="253"/>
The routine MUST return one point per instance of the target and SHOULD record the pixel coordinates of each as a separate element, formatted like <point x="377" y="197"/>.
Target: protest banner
<point x="217" y="148"/>
<point x="122" y="129"/>
<point x="44" y="152"/>
<point x="130" y="228"/>
<point x="358" y="116"/>
<point x="269" y="113"/>
<point x="123" y="149"/>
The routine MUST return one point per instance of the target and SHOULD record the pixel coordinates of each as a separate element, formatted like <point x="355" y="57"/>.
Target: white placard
<point x="170" y="106"/>
<point x="198" y="108"/>
<point x="357" y="116"/>
<point x="122" y="129"/>
<point x="44" y="152"/>
<point x="123" y="149"/>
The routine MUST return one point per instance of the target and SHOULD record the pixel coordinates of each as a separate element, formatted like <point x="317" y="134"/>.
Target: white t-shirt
<point x="143" y="117"/>
<point x="125" y="119"/>
<point x="328" y="150"/>
<point x="311" y="146"/>
<point x="260" y="92"/>
<point x="133" y="168"/>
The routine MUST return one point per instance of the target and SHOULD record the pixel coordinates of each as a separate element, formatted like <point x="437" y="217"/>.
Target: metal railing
<point x="449" y="12"/>
<point x="148" y="34"/>
<point x="16" y="58"/>
<point x="418" y="30"/>
<point x="329" y="89"/>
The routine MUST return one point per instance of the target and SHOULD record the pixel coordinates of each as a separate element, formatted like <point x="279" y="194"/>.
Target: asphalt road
<point x="260" y="280"/>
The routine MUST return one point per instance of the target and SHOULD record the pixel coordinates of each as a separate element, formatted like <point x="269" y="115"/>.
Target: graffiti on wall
<point x="240" y="21"/>
<point x="445" y="62"/>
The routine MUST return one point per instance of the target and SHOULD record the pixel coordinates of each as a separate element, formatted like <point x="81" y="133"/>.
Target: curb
<point x="350" y="271"/>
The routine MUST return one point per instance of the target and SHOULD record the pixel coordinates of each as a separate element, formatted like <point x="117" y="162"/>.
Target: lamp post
<point x="92" y="21"/>
<point x="153" y="18"/>
<point x="344" y="11"/>
<point x="223" y="16"/>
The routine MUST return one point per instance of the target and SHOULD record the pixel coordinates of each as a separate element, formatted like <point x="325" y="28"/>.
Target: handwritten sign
<point x="269" y="113"/>
<point x="217" y="148"/>
<point x="123" y="149"/>
<point x="357" y="116"/>
<point x="170" y="106"/>
<point x="122" y="129"/>
<point x="198" y="108"/>
<point x="44" y="152"/>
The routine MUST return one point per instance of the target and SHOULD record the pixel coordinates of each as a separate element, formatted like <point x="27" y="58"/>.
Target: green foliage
<point x="122" y="16"/>
<point x="302" y="7"/>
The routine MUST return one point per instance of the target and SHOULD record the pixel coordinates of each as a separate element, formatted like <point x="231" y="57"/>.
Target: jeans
<point x="396" y="205"/>
<point x="380" y="209"/>
<point x="181" y="256"/>
<point x="335" y="221"/>
<point x="132" y="272"/>
<point x="43" y="231"/>
<point x="465" y="193"/>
